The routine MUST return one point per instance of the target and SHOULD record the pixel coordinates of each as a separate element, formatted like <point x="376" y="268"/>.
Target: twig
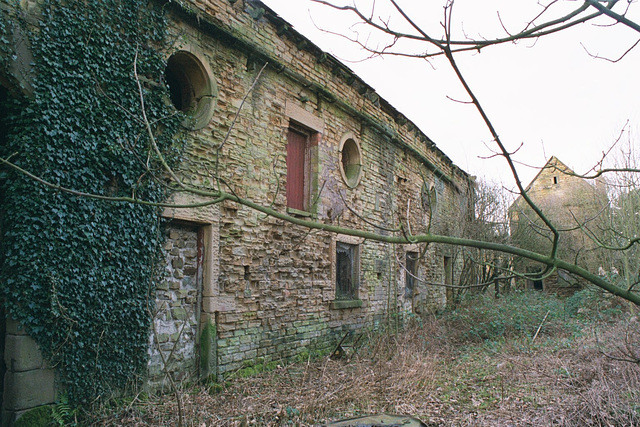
<point x="540" y="327"/>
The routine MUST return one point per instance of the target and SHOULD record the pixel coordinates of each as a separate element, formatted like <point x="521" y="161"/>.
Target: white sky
<point x="549" y="95"/>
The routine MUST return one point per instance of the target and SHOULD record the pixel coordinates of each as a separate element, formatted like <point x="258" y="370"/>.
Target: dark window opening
<point x="191" y="87"/>
<point x="555" y="179"/>
<point x="535" y="279"/>
<point x="180" y="88"/>
<point x="346" y="271"/>
<point x="185" y="80"/>
<point x="410" y="274"/>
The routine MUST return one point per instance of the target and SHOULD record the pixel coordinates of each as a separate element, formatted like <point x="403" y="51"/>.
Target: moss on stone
<point x="36" y="417"/>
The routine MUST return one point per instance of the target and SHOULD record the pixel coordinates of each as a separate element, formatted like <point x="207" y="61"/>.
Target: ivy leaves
<point x="77" y="272"/>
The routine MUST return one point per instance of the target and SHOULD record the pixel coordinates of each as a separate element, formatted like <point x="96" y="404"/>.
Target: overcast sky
<point x="550" y="95"/>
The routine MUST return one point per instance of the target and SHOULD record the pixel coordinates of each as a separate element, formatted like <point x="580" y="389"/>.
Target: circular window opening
<point x="192" y="88"/>
<point x="350" y="162"/>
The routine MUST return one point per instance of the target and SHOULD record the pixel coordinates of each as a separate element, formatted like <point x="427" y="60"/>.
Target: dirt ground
<point x="577" y="373"/>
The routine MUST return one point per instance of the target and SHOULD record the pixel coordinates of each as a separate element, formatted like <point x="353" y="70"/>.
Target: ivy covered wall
<point x="78" y="272"/>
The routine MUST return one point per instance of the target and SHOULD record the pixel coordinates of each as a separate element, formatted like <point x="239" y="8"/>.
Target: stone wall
<point x="569" y="202"/>
<point x="28" y="380"/>
<point x="275" y="294"/>
<point x="241" y="288"/>
<point x="173" y="345"/>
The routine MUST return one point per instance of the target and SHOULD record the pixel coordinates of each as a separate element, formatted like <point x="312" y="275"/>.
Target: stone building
<point x="289" y="127"/>
<point x="576" y="206"/>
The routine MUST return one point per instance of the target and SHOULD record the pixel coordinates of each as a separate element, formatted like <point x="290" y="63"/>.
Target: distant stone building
<point x="576" y="206"/>
<point x="314" y="141"/>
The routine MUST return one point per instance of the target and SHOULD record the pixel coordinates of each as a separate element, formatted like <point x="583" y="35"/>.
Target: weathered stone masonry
<point x="240" y="288"/>
<point x="566" y="199"/>
<point x="275" y="294"/>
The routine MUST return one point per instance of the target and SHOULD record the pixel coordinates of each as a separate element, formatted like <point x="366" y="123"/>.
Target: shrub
<point x="519" y="314"/>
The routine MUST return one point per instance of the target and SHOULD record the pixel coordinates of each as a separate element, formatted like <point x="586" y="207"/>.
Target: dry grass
<point x="564" y="378"/>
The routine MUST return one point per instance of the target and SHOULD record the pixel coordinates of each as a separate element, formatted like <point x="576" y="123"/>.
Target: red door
<point x="296" y="147"/>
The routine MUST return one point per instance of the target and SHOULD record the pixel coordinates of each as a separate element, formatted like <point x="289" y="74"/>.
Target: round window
<point x="350" y="161"/>
<point x="192" y="87"/>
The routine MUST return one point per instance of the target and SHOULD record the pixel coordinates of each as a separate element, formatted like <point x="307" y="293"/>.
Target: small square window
<point x="347" y="271"/>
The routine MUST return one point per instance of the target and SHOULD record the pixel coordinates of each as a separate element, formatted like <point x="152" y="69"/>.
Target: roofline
<point x="207" y="22"/>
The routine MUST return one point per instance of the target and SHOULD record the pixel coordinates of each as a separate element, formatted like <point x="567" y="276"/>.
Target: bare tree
<point x="390" y="29"/>
<point x="621" y="229"/>
<point x="490" y="223"/>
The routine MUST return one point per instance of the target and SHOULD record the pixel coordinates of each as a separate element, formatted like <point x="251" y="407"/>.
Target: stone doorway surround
<point x="206" y="220"/>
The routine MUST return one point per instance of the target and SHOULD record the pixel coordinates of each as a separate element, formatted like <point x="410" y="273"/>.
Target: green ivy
<point x="79" y="273"/>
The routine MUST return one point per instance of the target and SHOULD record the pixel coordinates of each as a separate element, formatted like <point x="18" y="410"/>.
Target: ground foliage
<point x="75" y="271"/>
<point x="437" y="371"/>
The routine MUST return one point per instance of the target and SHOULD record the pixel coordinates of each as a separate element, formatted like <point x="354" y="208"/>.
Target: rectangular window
<point x="347" y="271"/>
<point x="298" y="169"/>
<point x="410" y="274"/>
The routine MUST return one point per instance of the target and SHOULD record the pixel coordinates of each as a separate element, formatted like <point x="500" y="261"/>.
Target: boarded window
<point x="297" y="169"/>
<point x="347" y="276"/>
<point x="411" y="272"/>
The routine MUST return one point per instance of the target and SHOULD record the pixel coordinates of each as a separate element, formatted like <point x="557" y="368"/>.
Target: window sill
<point x="297" y="212"/>
<point x="350" y="303"/>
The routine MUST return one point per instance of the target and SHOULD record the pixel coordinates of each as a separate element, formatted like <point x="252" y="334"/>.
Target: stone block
<point x="14" y="327"/>
<point x="21" y="353"/>
<point x="28" y="389"/>
<point x="179" y="313"/>
<point x="218" y="303"/>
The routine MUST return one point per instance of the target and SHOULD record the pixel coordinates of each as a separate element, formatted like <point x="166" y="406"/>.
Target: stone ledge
<point x="341" y="304"/>
<point x="297" y="212"/>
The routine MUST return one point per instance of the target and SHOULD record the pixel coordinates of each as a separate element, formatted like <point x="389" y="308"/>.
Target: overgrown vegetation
<point x="513" y="317"/>
<point x="75" y="271"/>
<point x="438" y="370"/>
